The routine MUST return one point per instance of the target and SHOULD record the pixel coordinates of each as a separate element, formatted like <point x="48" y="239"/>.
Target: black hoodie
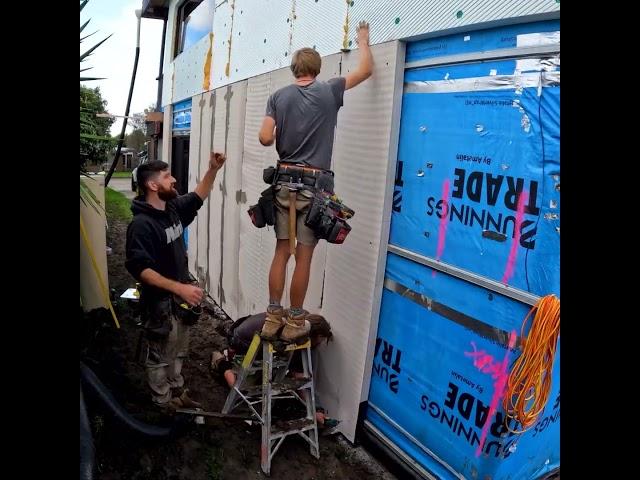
<point x="154" y="240"/>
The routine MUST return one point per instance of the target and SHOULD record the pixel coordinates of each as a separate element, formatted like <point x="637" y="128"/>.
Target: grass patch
<point x="121" y="175"/>
<point x="118" y="206"/>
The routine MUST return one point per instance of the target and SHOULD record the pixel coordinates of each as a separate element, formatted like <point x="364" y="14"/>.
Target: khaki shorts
<point x="303" y="201"/>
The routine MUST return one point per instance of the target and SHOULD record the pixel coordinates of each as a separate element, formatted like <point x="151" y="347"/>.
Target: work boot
<point x="273" y="323"/>
<point x="296" y="329"/>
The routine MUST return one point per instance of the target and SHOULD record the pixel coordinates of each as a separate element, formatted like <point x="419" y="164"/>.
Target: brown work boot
<point x="296" y="329"/>
<point x="273" y="323"/>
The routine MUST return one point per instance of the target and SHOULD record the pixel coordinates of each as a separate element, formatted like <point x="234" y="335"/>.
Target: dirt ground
<point x="219" y="449"/>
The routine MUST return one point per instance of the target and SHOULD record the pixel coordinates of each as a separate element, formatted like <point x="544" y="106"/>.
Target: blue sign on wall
<point x="182" y="117"/>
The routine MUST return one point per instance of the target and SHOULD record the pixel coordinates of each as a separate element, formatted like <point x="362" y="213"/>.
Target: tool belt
<point x="264" y="212"/>
<point x="292" y="174"/>
<point x="189" y="314"/>
<point x="326" y="216"/>
<point x="156" y="315"/>
<point x="296" y="177"/>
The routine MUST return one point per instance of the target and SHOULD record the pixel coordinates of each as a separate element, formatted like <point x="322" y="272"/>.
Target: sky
<point x="200" y="23"/>
<point x="114" y="58"/>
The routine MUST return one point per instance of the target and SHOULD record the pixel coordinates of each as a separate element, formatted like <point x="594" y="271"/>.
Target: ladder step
<point x="277" y="388"/>
<point x="279" y="346"/>
<point x="257" y="366"/>
<point x="290" y="427"/>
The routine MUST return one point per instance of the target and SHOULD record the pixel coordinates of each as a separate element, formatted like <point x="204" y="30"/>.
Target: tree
<point x="94" y="131"/>
<point x="137" y="120"/>
<point x="138" y="137"/>
<point x="83" y="56"/>
<point x="88" y="121"/>
<point x="136" y="140"/>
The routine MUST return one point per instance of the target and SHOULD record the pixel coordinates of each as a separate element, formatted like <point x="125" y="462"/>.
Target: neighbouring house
<point x="127" y="160"/>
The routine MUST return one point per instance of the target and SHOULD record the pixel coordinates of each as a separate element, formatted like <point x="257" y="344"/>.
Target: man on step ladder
<point x="301" y="119"/>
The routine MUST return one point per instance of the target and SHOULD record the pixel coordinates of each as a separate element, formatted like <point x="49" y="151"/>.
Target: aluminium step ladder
<point x="276" y="357"/>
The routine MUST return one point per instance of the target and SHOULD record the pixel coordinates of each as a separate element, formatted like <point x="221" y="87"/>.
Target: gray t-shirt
<point x="306" y="121"/>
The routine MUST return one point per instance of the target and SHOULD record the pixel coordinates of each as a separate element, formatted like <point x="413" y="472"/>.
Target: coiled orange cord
<point x="529" y="384"/>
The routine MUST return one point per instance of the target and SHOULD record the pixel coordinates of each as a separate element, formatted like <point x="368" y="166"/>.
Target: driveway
<point x="122" y="185"/>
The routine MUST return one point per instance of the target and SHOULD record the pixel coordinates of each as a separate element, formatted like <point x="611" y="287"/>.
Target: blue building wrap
<point x="477" y="187"/>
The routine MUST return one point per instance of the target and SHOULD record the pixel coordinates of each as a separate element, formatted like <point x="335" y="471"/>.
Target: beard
<point x="168" y="194"/>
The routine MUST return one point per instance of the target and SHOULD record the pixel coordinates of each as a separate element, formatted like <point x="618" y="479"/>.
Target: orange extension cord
<point x="529" y="384"/>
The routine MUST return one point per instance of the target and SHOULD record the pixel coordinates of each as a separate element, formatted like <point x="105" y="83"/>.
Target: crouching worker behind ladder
<point x="157" y="258"/>
<point x="239" y="339"/>
<point x="301" y="119"/>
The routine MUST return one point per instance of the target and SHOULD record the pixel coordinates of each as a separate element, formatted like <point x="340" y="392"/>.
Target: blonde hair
<point x="305" y="61"/>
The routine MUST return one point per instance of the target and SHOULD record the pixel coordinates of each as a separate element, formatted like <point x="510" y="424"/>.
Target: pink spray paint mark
<point x="511" y="261"/>
<point x="444" y="221"/>
<point x="486" y="364"/>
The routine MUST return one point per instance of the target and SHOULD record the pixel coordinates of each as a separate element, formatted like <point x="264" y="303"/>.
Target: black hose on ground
<point x="87" y="450"/>
<point x="91" y="381"/>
